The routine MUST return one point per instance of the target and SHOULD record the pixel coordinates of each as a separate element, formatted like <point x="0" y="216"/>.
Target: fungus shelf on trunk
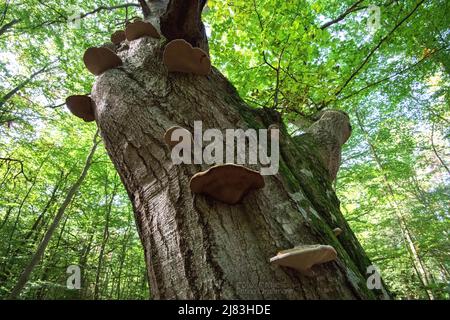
<point x="337" y="231"/>
<point x="303" y="258"/>
<point x="99" y="60"/>
<point x="228" y="183"/>
<point x="139" y="29"/>
<point x="180" y="56"/>
<point x="81" y="106"/>
<point x="118" y="37"/>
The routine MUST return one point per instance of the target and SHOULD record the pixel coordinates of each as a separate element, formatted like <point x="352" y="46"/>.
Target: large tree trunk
<point x="199" y="248"/>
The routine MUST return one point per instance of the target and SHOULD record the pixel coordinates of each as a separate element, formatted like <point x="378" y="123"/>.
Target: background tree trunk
<point x="101" y="255"/>
<point x="37" y="256"/>
<point x="421" y="271"/>
<point x="199" y="248"/>
<point x="123" y="253"/>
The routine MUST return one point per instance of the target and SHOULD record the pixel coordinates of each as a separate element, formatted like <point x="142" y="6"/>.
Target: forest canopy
<point x="390" y="74"/>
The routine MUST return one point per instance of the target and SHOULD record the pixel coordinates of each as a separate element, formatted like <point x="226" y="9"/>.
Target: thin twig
<point x="403" y="71"/>
<point x="7" y="160"/>
<point x="374" y="49"/>
<point x="435" y="151"/>
<point x="341" y="17"/>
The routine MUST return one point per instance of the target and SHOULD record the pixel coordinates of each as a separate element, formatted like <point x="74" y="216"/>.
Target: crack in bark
<point x="207" y="240"/>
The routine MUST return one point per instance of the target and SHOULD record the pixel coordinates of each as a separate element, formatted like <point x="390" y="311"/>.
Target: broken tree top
<point x="139" y="29"/>
<point x="302" y="258"/>
<point x="228" y="183"/>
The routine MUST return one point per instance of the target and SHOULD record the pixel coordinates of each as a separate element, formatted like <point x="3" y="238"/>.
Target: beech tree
<point x="197" y="247"/>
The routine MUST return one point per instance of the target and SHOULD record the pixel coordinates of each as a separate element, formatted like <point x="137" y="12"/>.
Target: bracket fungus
<point x="180" y="56"/>
<point x="168" y="136"/>
<point x="99" y="60"/>
<point x="337" y="231"/>
<point x="228" y="183"/>
<point x="118" y="37"/>
<point x="302" y="258"/>
<point x="139" y="29"/>
<point x="82" y="107"/>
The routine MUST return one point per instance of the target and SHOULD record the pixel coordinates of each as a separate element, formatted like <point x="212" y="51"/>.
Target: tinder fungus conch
<point x="302" y="258"/>
<point x="180" y="56"/>
<point x="118" y="37"/>
<point x="171" y="142"/>
<point x="139" y="29"/>
<point x="337" y="231"/>
<point x="227" y="183"/>
<point x="99" y="60"/>
<point x="82" y="107"/>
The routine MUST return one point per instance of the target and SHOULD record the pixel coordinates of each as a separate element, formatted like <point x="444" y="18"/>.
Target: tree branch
<point x="404" y="70"/>
<point x="8" y="25"/>
<point x="278" y="74"/>
<point x="104" y="8"/>
<point x="8" y="160"/>
<point x="51" y="8"/>
<point x="341" y="17"/>
<point x="5" y="11"/>
<point x="261" y="24"/>
<point x="145" y="8"/>
<point x="436" y="152"/>
<point x="64" y="19"/>
<point x="353" y="75"/>
<point x="351" y="9"/>
<point x="11" y="93"/>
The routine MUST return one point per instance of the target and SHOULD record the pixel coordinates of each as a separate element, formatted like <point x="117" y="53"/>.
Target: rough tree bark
<point x="196" y="247"/>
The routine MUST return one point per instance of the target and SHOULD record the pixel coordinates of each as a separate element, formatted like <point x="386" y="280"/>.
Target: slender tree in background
<point x="417" y="262"/>
<point x="37" y="256"/>
<point x="104" y="240"/>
